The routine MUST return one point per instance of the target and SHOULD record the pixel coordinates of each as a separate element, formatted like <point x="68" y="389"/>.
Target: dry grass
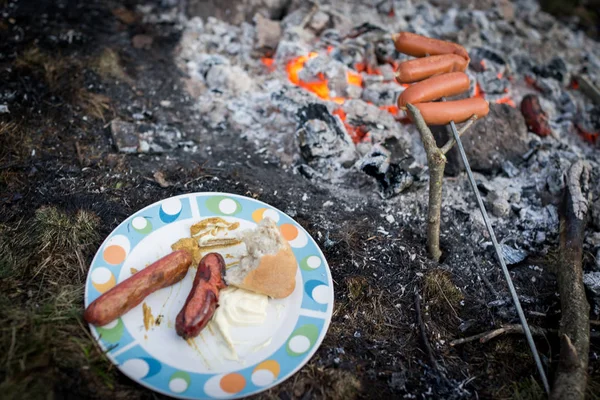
<point x="64" y="77"/>
<point x="43" y="261"/>
<point x="315" y="382"/>
<point x="51" y="247"/>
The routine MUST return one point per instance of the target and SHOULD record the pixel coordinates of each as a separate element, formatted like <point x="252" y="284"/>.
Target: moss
<point x="108" y="65"/>
<point x="357" y="286"/>
<point x="440" y="293"/>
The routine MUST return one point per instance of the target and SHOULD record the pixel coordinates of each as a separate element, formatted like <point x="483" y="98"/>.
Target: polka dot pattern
<point x="170" y="210"/>
<point x="317" y="290"/>
<point x="116" y="250"/>
<point x="103" y="280"/>
<point x="225" y="385"/>
<point x="296" y="237"/>
<point x="265" y="373"/>
<point x="261" y="213"/>
<point x="302" y="339"/>
<point x="222" y="205"/>
<point x="179" y="382"/>
<point x="112" y="332"/>
<point x="311" y="263"/>
<point x="141" y="225"/>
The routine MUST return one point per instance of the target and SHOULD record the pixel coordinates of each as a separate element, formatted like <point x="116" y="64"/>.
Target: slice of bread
<point x="269" y="266"/>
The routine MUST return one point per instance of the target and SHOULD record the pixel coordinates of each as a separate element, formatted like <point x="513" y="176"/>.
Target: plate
<point x="206" y="368"/>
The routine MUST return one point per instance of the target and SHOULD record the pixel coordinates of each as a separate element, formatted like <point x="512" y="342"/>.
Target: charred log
<point x="571" y="377"/>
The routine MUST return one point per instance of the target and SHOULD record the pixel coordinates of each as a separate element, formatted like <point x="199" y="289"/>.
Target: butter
<point x="238" y="307"/>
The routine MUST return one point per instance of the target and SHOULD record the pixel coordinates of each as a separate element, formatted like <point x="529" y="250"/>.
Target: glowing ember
<point x="356" y="133"/>
<point x="506" y="100"/>
<point x="590" y="137"/>
<point x="478" y="92"/>
<point x="269" y="63"/>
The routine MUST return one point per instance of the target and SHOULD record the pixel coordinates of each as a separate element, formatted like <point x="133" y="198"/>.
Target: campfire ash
<point x="315" y="93"/>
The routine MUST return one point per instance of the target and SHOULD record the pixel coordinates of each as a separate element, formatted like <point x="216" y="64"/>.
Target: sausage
<point x="203" y="299"/>
<point x="421" y="68"/>
<point x="421" y="46"/>
<point x="126" y="295"/>
<point x="535" y="117"/>
<point x="457" y="110"/>
<point x="435" y="88"/>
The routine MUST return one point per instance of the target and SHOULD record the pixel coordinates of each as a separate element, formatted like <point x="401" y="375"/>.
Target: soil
<point x="68" y="68"/>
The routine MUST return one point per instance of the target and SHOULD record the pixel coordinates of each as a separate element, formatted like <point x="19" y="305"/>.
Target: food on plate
<point x="457" y="110"/>
<point x="439" y="73"/>
<point x="420" y="68"/>
<point x="269" y="265"/>
<point x="208" y="235"/>
<point x="422" y="46"/>
<point x="202" y="301"/>
<point x="126" y="295"/>
<point x="239" y="307"/>
<point x="435" y="88"/>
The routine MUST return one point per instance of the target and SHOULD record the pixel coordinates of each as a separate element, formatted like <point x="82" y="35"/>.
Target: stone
<point x="124" y="136"/>
<point x="268" y="33"/>
<point x="500" y="136"/>
<point x="143" y="138"/>
<point x="500" y="207"/>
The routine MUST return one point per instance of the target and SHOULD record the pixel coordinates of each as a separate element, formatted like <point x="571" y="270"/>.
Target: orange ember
<point x="269" y="63"/>
<point x="356" y="133"/>
<point x="478" y="92"/>
<point x="590" y="137"/>
<point x="506" y="100"/>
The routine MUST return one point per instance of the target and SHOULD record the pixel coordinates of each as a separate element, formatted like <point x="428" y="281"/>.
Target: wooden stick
<point x="571" y="375"/>
<point x="487" y="336"/>
<point x="436" y="160"/>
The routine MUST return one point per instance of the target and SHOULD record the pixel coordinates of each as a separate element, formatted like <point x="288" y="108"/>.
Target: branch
<point x="451" y="142"/>
<point x="489" y="335"/>
<point x="436" y="160"/>
<point x="571" y="375"/>
<point x="512" y="328"/>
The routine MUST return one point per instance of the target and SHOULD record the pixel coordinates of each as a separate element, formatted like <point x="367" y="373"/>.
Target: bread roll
<point x="269" y="266"/>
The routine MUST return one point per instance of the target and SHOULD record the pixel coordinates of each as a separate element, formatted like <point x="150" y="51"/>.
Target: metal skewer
<point x="511" y="286"/>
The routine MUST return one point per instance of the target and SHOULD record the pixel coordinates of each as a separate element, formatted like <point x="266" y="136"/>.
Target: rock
<point x="143" y="138"/>
<point x="500" y="207"/>
<point x="236" y="11"/>
<point x="124" y="136"/>
<point x="268" y="33"/>
<point x="500" y="136"/>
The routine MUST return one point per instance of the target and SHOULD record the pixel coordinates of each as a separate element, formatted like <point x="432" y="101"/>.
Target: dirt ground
<point x="67" y="69"/>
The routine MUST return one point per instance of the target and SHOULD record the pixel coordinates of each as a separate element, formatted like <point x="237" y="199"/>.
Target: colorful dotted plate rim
<point x="132" y="359"/>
